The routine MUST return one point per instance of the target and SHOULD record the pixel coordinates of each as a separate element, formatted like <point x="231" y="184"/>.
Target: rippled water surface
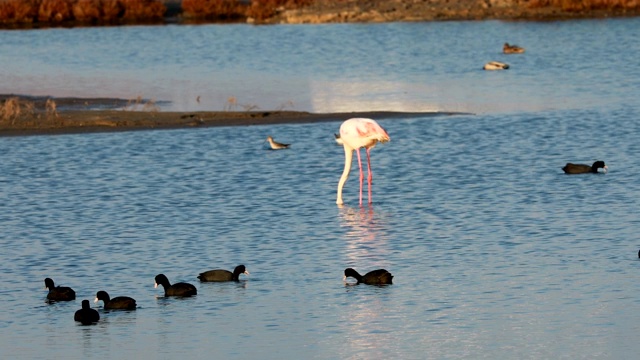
<point x="495" y="252"/>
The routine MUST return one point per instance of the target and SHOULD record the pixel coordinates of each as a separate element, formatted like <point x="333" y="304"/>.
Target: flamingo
<point x="358" y="133"/>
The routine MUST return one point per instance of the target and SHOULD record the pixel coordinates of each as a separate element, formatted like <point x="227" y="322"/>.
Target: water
<point x="495" y="252"/>
<point x="331" y="68"/>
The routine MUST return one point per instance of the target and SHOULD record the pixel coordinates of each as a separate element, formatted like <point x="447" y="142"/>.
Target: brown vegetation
<point x="14" y="12"/>
<point x="257" y="10"/>
<point x="30" y="13"/>
<point x="17" y="112"/>
<point x="51" y="12"/>
<point x="585" y="5"/>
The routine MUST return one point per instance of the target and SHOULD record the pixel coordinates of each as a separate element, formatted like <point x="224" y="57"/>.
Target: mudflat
<point x="46" y="116"/>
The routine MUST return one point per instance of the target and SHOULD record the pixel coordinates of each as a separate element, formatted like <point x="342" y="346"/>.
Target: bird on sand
<point x="359" y="133"/>
<point x="375" y="277"/>
<point x="584" y="169"/>
<point x="276" y="145"/>
<point x="512" y="49"/>
<point x="495" y="65"/>
<point x="86" y="315"/>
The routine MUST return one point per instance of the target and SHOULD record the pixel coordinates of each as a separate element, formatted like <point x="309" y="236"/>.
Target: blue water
<point x="495" y="252"/>
<point x="330" y="68"/>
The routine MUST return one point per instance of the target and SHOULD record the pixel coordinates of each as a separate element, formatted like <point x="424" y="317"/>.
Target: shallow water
<point x="331" y="68"/>
<point x="495" y="252"/>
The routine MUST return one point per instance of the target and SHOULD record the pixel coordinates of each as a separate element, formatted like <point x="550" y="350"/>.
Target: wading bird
<point x="358" y="133"/>
<point x="276" y="145"/>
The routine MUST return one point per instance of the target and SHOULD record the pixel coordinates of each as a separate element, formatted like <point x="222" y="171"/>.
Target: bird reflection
<point x="366" y="237"/>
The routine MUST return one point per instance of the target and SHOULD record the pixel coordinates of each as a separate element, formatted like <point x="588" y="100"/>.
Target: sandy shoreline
<point x="77" y="116"/>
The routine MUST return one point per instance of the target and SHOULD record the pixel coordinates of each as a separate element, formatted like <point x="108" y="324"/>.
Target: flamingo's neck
<point x="348" y="156"/>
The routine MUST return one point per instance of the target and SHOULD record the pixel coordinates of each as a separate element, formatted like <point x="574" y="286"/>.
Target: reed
<point x="232" y="103"/>
<point x="51" y="108"/>
<point x="13" y="109"/>
<point x="139" y="101"/>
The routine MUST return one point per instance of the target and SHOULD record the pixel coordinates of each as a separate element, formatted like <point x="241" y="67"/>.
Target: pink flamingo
<point x="358" y="133"/>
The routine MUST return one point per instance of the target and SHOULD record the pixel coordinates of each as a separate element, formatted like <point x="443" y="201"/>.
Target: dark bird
<point x="177" y="289"/>
<point x="86" y="315"/>
<point x="223" y="275"/>
<point x="375" y="277"/>
<point x="117" y="303"/>
<point x="59" y="293"/>
<point x="584" y="169"/>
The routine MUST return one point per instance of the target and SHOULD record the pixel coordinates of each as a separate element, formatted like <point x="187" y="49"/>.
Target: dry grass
<point x="288" y="104"/>
<point x="13" y="109"/>
<point x="232" y="104"/>
<point x="584" y="5"/>
<point x="140" y="104"/>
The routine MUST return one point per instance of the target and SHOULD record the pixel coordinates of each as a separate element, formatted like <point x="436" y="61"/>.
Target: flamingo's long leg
<point x="369" y="175"/>
<point x="361" y="173"/>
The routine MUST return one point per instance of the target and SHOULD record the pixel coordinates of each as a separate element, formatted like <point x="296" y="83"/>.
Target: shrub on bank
<point x="84" y="11"/>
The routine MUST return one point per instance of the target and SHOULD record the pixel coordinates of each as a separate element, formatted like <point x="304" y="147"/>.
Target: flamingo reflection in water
<point x="366" y="247"/>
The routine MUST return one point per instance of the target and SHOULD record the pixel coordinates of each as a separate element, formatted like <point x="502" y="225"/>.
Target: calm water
<point x="495" y="252"/>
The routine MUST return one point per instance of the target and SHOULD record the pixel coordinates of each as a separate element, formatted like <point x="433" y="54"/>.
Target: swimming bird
<point x="375" y="277"/>
<point x="495" y="65"/>
<point x="177" y="289"/>
<point x="584" y="169"/>
<point x="117" y="303"/>
<point x="219" y="275"/>
<point x="86" y="315"/>
<point x="276" y="145"/>
<point x="359" y="133"/>
<point x="512" y="49"/>
<point x="59" y="293"/>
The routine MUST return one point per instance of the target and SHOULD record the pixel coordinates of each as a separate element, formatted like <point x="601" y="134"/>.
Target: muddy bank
<point x="37" y="116"/>
<point x="441" y="10"/>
